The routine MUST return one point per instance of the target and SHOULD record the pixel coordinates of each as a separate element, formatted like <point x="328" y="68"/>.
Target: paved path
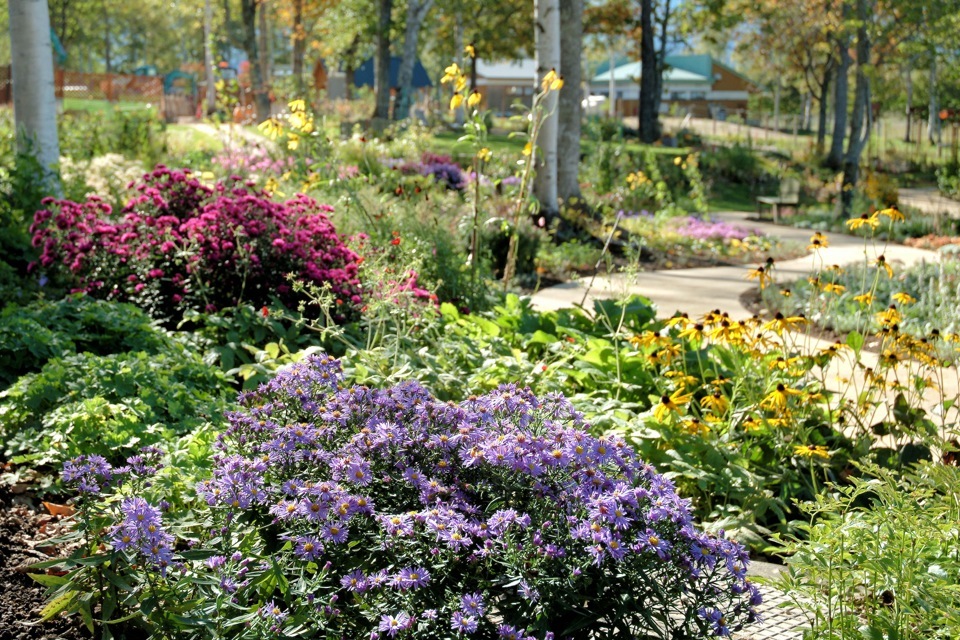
<point x="929" y="200"/>
<point x="698" y="291"/>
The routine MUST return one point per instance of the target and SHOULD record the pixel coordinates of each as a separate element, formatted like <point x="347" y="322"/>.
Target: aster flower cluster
<point x="492" y="518"/>
<point x="179" y="244"/>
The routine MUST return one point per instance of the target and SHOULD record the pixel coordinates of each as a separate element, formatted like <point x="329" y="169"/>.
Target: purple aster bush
<point x="181" y="245"/>
<point x="351" y="512"/>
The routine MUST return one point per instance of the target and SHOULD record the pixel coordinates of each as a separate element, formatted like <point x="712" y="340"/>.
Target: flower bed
<point x="367" y="513"/>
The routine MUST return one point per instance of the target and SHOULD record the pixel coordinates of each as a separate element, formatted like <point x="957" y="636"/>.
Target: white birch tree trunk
<point x="34" y="101"/>
<point x="547" y="30"/>
<point x="208" y="57"/>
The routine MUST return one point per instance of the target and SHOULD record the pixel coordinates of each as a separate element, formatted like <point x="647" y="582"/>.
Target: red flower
<point x="395" y="241"/>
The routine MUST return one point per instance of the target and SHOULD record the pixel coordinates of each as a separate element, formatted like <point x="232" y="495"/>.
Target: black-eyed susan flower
<point x="271" y="127"/>
<point x="484" y="154"/>
<point x="889" y="316"/>
<point x="456" y="100"/>
<point x="866" y="299"/>
<point x="833" y="287"/>
<point x="470" y="50"/>
<point x="715" y="403"/>
<point x="761" y="275"/>
<point x="778" y="398"/>
<point x="671" y="404"/>
<point x="882" y="263"/>
<point x="904" y="298"/>
<point x="893" y="213"/>
<point x="811" y="451"/>
<point x="474" y="98"/>
<point x="865" y="220"/>
<point x="781" y="323"/>
<point x="818" y="241"/>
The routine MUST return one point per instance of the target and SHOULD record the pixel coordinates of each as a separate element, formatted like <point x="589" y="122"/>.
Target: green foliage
<point x="136" y="134"/>
<point x="110" y="405"/>
<point x="878" y="559"/>
<point x="33" y="334"/>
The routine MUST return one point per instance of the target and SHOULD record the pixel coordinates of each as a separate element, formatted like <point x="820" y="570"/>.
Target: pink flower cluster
<point x="179" y="244"/>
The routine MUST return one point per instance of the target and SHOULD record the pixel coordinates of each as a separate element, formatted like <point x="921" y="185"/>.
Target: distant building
<point x="503" y="83"/>
<point x="695" y="84"/>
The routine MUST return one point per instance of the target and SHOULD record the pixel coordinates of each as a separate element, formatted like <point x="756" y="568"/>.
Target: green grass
<point x="731" y="197"/>
<point x="183" y="138"/>
<point x="105" y="106"/>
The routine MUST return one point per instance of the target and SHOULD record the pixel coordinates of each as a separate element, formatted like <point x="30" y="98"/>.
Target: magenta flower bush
<point x="700" y="229"/>
<point x="179" y="244"/>
<point x="350" y="512"/>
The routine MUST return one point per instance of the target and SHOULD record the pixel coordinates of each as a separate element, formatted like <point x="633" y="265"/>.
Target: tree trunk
<point x="208" y="57"/>
<point x="661" y="56"/>
<point x="824" y="106"/>
<point x="459" y="114"/>
<point x="909" y="110"/>
<point x="835" y="158"/>
<point x="348" y="69"/>
<point x="299" y="45"/>
<point x="860" y="120"/>
<point x="612" y="82"/>
<point x="34" y="101"/>
<point x="547" y="32"/>
<point x="263" y="37"/>
<point x="933" y="109"/>
<point x="776" y="103"/>
<point x="649" y="118"/>
<point x="248" y="13"/>
<point x="382" y="110"/>
<point x="569" y="100"/>
<point x="416" y="13"/>
<point x="107" y="58"/>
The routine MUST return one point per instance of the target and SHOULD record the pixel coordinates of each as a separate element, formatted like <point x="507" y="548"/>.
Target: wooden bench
<point x="789" y="195"/>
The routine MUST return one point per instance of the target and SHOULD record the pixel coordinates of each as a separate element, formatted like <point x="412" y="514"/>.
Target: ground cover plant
<point x="502" y="516"/>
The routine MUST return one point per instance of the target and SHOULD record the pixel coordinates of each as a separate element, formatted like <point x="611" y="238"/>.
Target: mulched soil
<point x="22" y="527"/>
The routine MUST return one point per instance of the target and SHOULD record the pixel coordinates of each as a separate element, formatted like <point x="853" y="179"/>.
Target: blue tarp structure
<point x="363" y="75"/>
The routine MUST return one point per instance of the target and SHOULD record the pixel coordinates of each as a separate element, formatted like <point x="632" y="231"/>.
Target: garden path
<point x="231" y="134"/>
<point x="698" y="291"/>
<point x="701" y="290"/>
<point x="929" y="200"/>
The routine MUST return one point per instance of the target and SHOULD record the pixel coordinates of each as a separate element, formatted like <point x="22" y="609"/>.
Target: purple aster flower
<point x="411" y="578"/>
<point x="335" y="532"/>
<point x="472" y="603"/>
<point x="355" y="581"/>
<point x="507" y="632"/>
<point x="87" y="472"/>
<point x="392" y="625"/>
<point x="308" y="548"/>
<point x="463" y="622"/>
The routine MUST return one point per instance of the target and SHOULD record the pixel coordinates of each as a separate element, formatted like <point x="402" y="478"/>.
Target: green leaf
<point x="855" y="340"/>
<point x="58" y="604"/>
<point x="49" y="580"/>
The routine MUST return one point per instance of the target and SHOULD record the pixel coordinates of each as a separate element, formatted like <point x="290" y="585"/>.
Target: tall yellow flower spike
<point x="451" y="73"/>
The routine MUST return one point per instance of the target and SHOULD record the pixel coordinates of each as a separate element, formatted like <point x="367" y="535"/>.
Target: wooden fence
<point x="112" y="87"/>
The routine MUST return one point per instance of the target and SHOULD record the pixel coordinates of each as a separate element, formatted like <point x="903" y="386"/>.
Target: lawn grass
<point x="731" y="197"/>
<point x="182" y="138"/>
<point x="105" y="107"/>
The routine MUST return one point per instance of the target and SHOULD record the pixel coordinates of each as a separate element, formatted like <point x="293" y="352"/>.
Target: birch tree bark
<point x="547" y="32"/>
<point x="417" y="11"/>
<point x="34" y="102"/>
<point x="569" y="100"/>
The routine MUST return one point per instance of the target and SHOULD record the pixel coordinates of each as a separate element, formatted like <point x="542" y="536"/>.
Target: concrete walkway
<point x="697" y="291"/>
<point x="930" y="200"/>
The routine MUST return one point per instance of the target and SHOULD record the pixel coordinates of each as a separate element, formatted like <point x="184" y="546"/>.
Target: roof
<point x="525" y="69"/>
<point x="630" y="71"/>
<point x="702" y="64"/>
<point x="363" y="76"/>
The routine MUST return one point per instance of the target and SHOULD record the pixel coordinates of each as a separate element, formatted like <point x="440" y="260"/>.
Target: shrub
<point x="108" y="405"/>
<point x="881" y="558"/>
<point x="31" y="335"/>
<point x="341" y="512"/>
<point x="182" y="245"/>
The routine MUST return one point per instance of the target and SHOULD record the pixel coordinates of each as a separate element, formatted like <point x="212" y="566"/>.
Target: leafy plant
<point x="501" y="515"/>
